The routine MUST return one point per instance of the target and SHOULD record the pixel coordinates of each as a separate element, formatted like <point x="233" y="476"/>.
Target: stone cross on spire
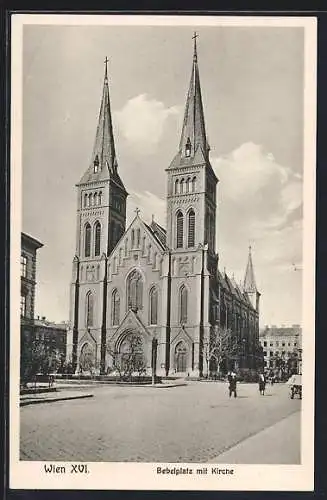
<point x="195" y="53"/>
<point x="106" y="68"/>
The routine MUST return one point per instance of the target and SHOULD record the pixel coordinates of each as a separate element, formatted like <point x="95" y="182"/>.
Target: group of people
<point x="232" y="383"/>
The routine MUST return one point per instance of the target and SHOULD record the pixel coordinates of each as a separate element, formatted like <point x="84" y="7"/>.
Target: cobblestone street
<point x="192" y="423"/>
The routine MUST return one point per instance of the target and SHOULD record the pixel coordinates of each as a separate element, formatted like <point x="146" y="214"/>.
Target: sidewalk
<point x="278" y="444"/>
<point x="51" y="397"/>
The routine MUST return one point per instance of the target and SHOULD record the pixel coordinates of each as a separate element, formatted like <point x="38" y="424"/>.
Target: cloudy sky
<point x="252" y="88"/>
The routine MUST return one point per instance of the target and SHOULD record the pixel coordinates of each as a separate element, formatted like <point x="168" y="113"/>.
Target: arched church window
<point x="89" y="309"/>
<point x="188" y="185"/>
<point x="132" y="238"/>
<point x="138" y="238"/>
<point x="135" y="290"/>
<point x="85" y="200"/>
<point x="188" y="147"/>
<point x="193" y="184"/>
<point x="90" y="200"/>
<point x="182" y="186"/>
<point x="95" y="199"/>
<point x="143" y="245"/>
<point x="97" y="239"/>
<point x="191" y="229"/>
<point x="115" y="308"/>
<point x="183" y="305"/>
<point x="153" y="306"/>
<point x="87" y="240"/>
<point x="176" y="186"/>
<point x="179" y="229"/>
<point x="126" y="246"/>
<point x="100" y="198"/>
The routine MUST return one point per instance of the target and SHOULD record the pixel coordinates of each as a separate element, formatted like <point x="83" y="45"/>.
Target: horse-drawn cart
<point x="295" y="383"/>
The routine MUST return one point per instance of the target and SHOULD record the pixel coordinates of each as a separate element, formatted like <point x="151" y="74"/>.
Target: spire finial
<point x="195" y="54"/>
<point x="106" y="68"/>
<point x="250" y="249"/>
<point x="137" y="211"/>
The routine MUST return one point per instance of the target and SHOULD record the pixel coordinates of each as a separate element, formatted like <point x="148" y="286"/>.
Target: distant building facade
<point x="282" y="349"/>
<point x="52" y="335"/>
<point x="151" y="282"/>
<point x="29" y="247"/>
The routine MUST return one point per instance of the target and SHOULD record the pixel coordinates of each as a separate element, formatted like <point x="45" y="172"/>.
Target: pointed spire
<point x="249" y="280"/>
<point x="104" y="154"/>
<point x="193" y="131"/>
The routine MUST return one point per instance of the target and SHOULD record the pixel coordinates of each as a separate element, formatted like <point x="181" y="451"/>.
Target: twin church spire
<point x="193" y="131"/>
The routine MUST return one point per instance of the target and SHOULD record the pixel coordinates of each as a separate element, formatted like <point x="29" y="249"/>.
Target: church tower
<point x="250" y="287"/>
<point x="101" y="220"/>
<point x="191" y="234"/>
<point x="191" y="217"/>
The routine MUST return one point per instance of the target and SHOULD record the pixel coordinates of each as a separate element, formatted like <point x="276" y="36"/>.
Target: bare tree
<point x="222" y="346"/>
<point x="131" y="360"/>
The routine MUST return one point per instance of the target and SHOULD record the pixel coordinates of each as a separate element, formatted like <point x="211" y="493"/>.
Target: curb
<point x="53" y="400"/>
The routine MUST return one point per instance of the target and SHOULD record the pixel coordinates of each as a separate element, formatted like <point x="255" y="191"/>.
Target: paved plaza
<point x="197" y="422"/>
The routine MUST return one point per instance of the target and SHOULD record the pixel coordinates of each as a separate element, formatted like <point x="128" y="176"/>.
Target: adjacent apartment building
<point x="29" y="247"/>
<point x="282" y="349"/>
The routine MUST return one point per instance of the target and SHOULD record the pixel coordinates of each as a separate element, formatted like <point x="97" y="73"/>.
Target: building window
<point x="89" y="309"/>
<point x="183" y="305"/>
<point x="265" y="353"/>
<point x="271" y="344"/>
<point x="182" y="186"/>
<point x="294" y="344"/>
<point x="23" y="305"/>
<point x="126" y="247"/>
<point x="153" y="306"/>
<point x="283" y="344"/>
<point x="97" y="243"/>
<point x="133" y="239"/>
<point x="85" y="200"/>
<point x="87" y="240"/>
<point x="191" y="228"/>
<point x="96" y="164"/>
<point x="138" y="238"/>
<point x="271" y="353"/>
<point x="188" y="147"/>
<point x="265" y="344"/>
<point x="23" y="266"/>
<point x="135" y="290"/>
<point x="194" y="184"/>
<point x="115" y="307"/>
<point x="100" y="198"/>
<point x="176" y="186"/>
<point x="179" y="229"/>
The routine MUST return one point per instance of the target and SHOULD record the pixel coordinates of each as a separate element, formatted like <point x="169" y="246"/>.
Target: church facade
<point x="150" y="282"/>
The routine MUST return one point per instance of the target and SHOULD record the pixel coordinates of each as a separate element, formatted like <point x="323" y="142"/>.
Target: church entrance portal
<point x="131" y="355"/>
<point x="181" y="357"/>
<point x="87" y="359"/>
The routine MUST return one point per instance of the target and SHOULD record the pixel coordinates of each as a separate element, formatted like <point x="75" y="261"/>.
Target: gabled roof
<point x="158" y="231"/>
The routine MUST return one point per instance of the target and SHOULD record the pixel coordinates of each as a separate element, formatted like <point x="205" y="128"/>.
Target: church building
<point x="153" y="282"/>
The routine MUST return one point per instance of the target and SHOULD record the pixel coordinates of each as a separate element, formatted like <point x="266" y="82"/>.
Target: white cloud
<point x="142" y="122"/>
<point x="149" y="204"/>
<point x="263" y="192"/>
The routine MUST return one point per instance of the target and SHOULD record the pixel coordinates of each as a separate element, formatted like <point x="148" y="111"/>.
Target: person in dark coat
<point x="262" y="384"/>
<point x="232" y="380"/>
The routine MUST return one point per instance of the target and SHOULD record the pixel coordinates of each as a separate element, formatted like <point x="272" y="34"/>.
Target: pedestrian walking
<point x="262" y="384"/>
<point x="232" y="380"/>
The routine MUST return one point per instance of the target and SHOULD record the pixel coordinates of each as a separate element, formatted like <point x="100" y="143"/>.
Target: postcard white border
<point x="143" y="476"/>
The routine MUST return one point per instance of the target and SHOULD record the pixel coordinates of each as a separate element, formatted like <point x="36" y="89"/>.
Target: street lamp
<point x="154" y="359"/>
